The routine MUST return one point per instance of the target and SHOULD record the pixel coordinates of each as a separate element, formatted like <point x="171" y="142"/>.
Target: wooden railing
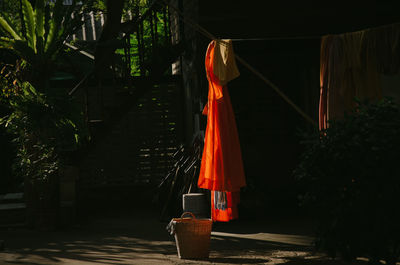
<point x="151" y="104"/>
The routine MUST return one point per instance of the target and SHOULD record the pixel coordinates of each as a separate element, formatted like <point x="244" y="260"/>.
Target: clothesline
<point x="206" y="33"/>
<point x="278" y="38"/>
<point x="312" y="37"/>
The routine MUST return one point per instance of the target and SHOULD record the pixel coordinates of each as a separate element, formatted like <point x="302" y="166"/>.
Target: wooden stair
<point x="134" y="133"/>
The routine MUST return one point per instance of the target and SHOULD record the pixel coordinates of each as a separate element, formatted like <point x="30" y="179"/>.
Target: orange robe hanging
<point x="221" y="164"/>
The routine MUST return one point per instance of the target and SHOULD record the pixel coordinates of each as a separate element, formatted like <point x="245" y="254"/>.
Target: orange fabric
<point x="221" y="164"/>
<point x="323" y="75"/>
<point x="231" y="212"/>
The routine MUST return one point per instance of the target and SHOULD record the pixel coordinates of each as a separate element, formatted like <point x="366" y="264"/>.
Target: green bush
<point x="350" y="178"/>
<point x="46" y="122"/>
<point x="46" y="130"/>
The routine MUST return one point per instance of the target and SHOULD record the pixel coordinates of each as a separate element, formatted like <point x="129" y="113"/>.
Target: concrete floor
<point x="142" y="239"/>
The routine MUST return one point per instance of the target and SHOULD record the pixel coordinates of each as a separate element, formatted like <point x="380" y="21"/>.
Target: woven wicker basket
<point x="192" y="236"/>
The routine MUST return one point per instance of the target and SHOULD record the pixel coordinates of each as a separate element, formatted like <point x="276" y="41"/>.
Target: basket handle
<point x="188" y="213"/>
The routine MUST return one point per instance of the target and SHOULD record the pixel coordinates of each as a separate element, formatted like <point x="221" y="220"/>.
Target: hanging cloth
<point x="348" y="71"/>
<point x="221" y="164"/>
<point x="325" y="69"/>
<point x="224" y="205"/>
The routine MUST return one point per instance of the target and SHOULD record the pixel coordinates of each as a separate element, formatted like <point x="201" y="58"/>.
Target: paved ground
<point x="142" y="239"/>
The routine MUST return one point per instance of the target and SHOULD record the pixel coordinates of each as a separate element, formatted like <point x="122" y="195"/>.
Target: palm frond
<point x="29" y="19"/>
<point x="54" y="23"/>
<point x="6" y="43"/>
<point x="39" y="15"/>
<point x="7" y="27"/>
<point x="40" y="18"/>
<point x="47" y="18"/>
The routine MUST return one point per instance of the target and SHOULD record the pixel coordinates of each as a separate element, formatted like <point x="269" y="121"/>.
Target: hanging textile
<point x="350" y="65"/>
<point x="224" y="205"/>
<point x="325" y="68"/>
<point x="221" y="164"/>
<point x="355" y="74"/>
<point x="386" y="44"/>
<point x="349" y="69"/>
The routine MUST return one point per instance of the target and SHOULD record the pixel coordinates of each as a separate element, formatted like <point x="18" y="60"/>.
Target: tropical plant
<point x="46" y="129"/>
<point x="12" y="9"/>
<point x="42" y="113"/>
<point x="45" y="121"/>
<point x="349" y="175"/>
<point x="46" y="28"/>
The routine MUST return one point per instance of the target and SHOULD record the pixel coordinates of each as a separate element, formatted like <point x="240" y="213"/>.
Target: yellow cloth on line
<point x="225" y="67"/>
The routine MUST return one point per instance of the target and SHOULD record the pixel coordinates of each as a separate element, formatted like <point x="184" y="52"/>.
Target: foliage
<point x="350" y="177"/>
<point x="133" y="9"/>
<point x="43" y="119"/>
<point x="46" y="28"/>
<point x="152" y="57"/>
<point x="157" y="56"/>
<point x="11" y="8"/>
<point x="46" y="126"/>
<point x="46" y="123"/>
<point x="129" y="6"/>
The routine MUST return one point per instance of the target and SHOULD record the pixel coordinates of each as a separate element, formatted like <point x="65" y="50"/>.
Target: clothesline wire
<point x="315" y="36"/>
<point x="206" y="33"/>
<point x="279" y="38"/>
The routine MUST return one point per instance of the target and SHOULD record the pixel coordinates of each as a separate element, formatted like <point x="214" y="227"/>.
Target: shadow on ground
<point x="140" y="238"/>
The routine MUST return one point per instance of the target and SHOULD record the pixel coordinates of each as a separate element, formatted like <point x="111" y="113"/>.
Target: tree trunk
<point x="103" y="53"/>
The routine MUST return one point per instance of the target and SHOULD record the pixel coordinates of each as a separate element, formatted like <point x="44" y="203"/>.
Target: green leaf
<point x="29" y="19"/>
<point x="6" y="43"/>
<point x="4" y="119"/>
<point x="9" y="120"/>
<point x="39" y="14"/>
<point x="8" y="28"/>
<point x="31" y="88"/>
<point x="54" y="24"/>
<point x="70" y="122"/>
<point x="40" y="18"/>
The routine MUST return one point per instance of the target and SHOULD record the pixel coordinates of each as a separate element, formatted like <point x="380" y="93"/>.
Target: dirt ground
<point x="141" y="238"/>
